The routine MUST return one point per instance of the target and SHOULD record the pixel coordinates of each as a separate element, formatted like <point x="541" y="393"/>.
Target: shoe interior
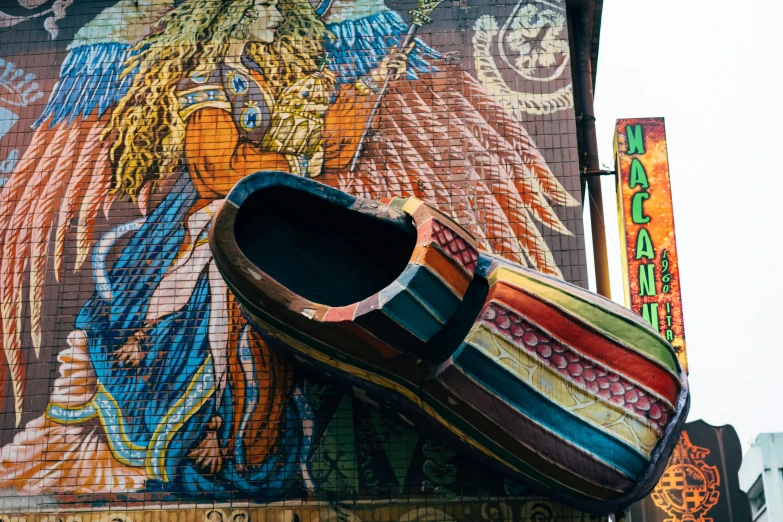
<point x="320" y="250"/>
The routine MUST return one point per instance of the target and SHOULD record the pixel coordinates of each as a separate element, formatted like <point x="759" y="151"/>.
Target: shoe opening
<point x="320" y="250"/>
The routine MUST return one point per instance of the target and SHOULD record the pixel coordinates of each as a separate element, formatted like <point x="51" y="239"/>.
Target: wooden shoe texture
<point x="560" y="388"/>
<point x="580" y="381"/>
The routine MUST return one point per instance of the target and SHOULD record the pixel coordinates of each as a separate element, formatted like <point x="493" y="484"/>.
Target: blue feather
<point x="89" y="80"/>
<point x="359" y="45"/>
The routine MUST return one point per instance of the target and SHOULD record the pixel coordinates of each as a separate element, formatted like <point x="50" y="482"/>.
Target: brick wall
<point x="101" y="192"/>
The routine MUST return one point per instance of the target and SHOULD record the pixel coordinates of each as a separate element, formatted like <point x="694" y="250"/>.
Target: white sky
<point x="713" y="69"/>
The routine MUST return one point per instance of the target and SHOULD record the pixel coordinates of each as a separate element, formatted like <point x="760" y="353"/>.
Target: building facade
<point x="761" y="477"/>
<point x="124" y="123"/>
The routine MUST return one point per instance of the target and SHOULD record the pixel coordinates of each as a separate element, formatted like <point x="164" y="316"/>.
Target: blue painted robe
<point x="154" y="413"/>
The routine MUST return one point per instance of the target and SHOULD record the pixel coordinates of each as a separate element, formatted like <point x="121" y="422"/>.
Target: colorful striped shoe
<point x="560" y="388"/>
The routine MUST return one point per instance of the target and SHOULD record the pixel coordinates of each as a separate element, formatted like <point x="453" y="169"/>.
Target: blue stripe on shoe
<point x="430" y="290"/>
<point x="386" y="329"/>
<point x="547" y="414"/>
<point x="412" y="310"/>
<point x="405" y="309"/>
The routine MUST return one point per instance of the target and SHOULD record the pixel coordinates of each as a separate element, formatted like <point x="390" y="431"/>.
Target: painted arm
<point x="347" y="119"/>
<point x="217" y="159"/>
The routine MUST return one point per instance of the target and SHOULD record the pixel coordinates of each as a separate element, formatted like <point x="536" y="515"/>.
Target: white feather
<point x="127" y="21"/>
<point x="346" y="10"/>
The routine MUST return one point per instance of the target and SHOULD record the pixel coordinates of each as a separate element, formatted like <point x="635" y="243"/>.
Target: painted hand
<point x="316" y="164"/>
<point x="130" y="353"/>
<point x="391" y="67"/>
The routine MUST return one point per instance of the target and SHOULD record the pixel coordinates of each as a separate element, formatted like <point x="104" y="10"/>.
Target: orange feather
<point x="15" y="252"/>
<point x="89" y="159"/>
<point x="507" y="126"/>
<point x="43" y="219"/>
<point x="444" y="139"/>
<point x="97" y="191"/>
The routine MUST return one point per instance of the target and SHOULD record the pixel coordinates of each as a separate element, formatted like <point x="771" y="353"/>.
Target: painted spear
<point x="421" y="16"/>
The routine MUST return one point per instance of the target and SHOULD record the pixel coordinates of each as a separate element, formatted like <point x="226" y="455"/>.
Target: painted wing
<point x="356" y="46"/>
<point x="60" y="185"/>
<point x="444" y="139"/>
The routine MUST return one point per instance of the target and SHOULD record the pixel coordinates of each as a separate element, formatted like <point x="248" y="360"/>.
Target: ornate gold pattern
<point x="362" y="88"/>
<point x="688" y="489"/>
<point x="194" y="99"/>
<point x="298" y="122"/>
<point x="421" y="15"/>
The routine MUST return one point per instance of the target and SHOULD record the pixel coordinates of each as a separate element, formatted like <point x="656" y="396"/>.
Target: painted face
<point x="263" y="19"/>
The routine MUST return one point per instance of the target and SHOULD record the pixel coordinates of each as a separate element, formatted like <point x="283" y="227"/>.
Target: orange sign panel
<point x="651" y="267"/>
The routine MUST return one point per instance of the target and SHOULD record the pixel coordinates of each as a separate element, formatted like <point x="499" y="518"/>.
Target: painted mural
<point x="128" y="372"/>
<point x="531" y="45"/>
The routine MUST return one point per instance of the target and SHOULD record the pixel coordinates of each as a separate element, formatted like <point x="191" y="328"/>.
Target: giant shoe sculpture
<point x="556" y="386"/>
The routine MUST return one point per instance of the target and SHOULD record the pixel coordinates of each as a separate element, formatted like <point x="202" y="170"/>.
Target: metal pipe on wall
<point x="584" y="92"/>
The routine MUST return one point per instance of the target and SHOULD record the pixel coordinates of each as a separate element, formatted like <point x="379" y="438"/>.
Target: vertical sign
<point x="649" y="249"/>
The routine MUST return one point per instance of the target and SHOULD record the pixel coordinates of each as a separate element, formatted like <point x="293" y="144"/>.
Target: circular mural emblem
<point x="688" y="488"/>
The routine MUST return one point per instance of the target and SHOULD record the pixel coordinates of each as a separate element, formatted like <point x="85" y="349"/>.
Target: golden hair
<point x="146" y="128"/>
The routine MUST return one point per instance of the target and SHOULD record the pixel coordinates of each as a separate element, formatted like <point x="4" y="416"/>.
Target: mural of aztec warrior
<point x="165" y="387"/>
